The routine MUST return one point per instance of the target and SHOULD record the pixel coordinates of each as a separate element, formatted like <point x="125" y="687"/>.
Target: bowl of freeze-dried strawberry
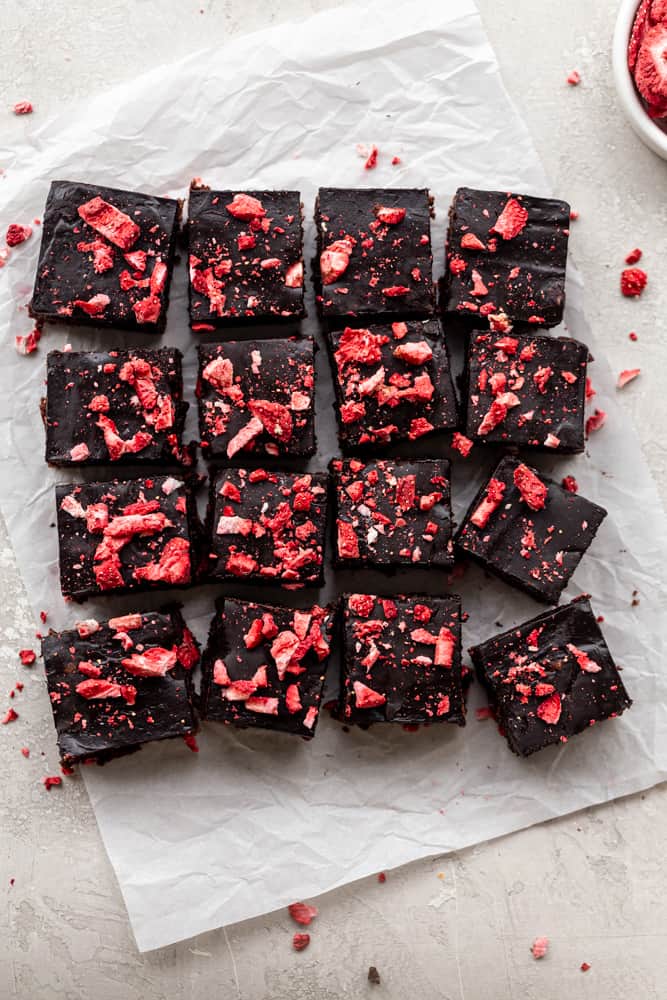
<point x="640" y="69"/>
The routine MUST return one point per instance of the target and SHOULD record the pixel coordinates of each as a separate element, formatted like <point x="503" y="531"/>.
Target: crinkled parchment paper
<point x="255" y="820"/>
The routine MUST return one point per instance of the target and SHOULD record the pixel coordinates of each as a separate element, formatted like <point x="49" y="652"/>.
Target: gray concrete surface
<point x="456" y="927"/>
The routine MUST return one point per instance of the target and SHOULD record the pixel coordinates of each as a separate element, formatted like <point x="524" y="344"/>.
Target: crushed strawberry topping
<point x="17" y="234"/>
<point x="110" y="222"/>
<point x="633" y="282"/>
<point x="627" y="375"/>
<point x="495" y="492"/>
<point x="532" y="489"/>
<point x="511" y="221"/>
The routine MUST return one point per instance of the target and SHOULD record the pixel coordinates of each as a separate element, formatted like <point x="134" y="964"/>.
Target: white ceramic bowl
<point x="646" y="129"/>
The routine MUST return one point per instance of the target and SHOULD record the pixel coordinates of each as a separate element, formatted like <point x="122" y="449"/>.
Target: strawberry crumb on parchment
<point x="51" y="781"/>
<point x="539" y="947"/>
<point x="23" y="108"/>
<point x="634" y="256"/>
<point x="574" y="78"/>
<point x="627" y="375"/>
<point x="27" y="657"/>
<point x="633" y="282"/>
<point x="302" y="913"/>
<point x="597" y="420"/>
<point x="300" y="941"/>
<point x="382" y="877"/>
<point x="584" y="966"/>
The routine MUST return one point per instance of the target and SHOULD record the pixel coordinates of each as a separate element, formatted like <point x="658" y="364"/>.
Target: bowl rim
<point x="650" y="133"/>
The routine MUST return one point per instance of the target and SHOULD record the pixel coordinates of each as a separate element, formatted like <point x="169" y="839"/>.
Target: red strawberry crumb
<point x="595" y="421"/>
<point x="574" y="215"/>
<point x="462" y="444"/>
<point x="43" y="616"/>
<point x="549" y="710"/>
<point x="27" y="657"/>
<point x="633" y="336"/>
<point x="300" y="941"/>
<point x="584" y="966"/>
<point x="539" y="947"/>
<point x="51" y="781"/>
<point x="25" y="751"/>
<point x="27" y="343"/>
<point x="634" y="256"/>
<point x="372" y="160"/>
<point x="17" y="234"/>
<point x="395" y="160"/>
<point x="590" y="391"/>
<point x="570" y="484"/>
<point x="532" y="489"/>
<point x="67" y="771"/>
<point x="302" y="913"/>
<point x="11" y="716"/>
<point x="574" y="79"/>
<point x="627" y="375"/>
<point x="190" y="741"/>
<point x="23" y="108"/>
<point x="382" y="877"/>
<point x="633" y="282"/>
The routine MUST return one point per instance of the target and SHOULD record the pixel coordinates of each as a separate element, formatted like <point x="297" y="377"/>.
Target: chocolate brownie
<point x="401" y="660"/>
<point x="392" y="513"/>
<point x="393" y="383"/>
<point x="114" y="406"/>
<point x="528" y="530"/>
<point x="139" y="534"/>
<point x="550" y="678"/>
<point x="257" y="397"/>
<point x="106" y="257"/>
<point x="118" y="684"/>
<point x="264" y="666"/>
<point x="245" y="252"/>
<point x="506" y="253"/>
<point x="374" y="256"/>
<point x="527" y="390"/>
<point x="267" y="526"/>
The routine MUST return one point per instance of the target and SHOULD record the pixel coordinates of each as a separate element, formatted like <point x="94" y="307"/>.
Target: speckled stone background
<point x="454" y="928"/>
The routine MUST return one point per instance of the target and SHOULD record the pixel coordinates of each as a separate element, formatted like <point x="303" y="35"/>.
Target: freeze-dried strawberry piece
<point x="23" y="108"/>
<point x="372" y="160"/>
<point x="633" y="282"/>
<point x="627" y="375"/>
<point x="98" y="688"/>
<point x="300" y="941"/>
<point x="276" y="418"/>
<point x="358" y="346"/>
<point x="570" y="484"/>
<point x="415" y="353"/>
<point x="293" y="699"/>
<point x="17" y="234"/>
<point x="584" y="660"/>
<point x="495" y="492"/>
<point x="110" y="222"/>
<point x="574" y="78"/>
<point x="494" y="416"/>
<point x="51" y="781"/>
<point x="302" y="913"/>
<point x="366" y="697"/>
<point x="147" y="310"/>
<point x="651" y="66"/>
<point x="511" y="221"/>
<point x="94" y="306"/>
<point x="361" y="604"/>
<point x="116" y="446"/>
<point x="445" y="647"/>
<point x="457" y="265"/>
<point x="532" y="489"/>
<point x="173" y="566"/>
<point x="348" y="543"/>
<point x="584" y="966"/>
<point x="240" y="564"/>
<point x="334" y="260"/>
<point x="155" y="662"/>
<point x="539" y="947"/>
<point x="294" y="275"/>
<point x="27" y="657"/>
<point x="283" y="650"/>
<point x="462" y="444"/>
<point x="390" y="216"/>
<point x="549" y="710"/>
<point x="102" y="255"/>
<point x="471" y="242"/>
<point x="27" y="344"/>
<point x="244" y="436"/>
<point x="245" y="207"/>
<point x="395" y="291"/>
<point x="264" y="706"/>
<point x="443" y="705"/>
<point x="254" y="635"/>
<point x="596" y="420"/>
<point x="10" y="716"/>
<point x="80" y="452"/>
<point x="634" y="256"/>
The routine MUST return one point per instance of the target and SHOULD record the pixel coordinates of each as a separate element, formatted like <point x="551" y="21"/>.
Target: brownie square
<point x="257" y="397"/>
<point x="106" y="257"/>
<point x="526" y="390"/>
<point x="528" y="530"/>
<point x="122" y="407"/>
<point x="119" y="536"/>
<point x="392" y="383"/>
<point x="550" y="678"/>
<point x="118" y="684"/>
<point x="245" y="254"/>
<point x="392" y="513"/>
<point x="264" y="666"/>
<point x="401" y="660"/>
<point x="374" y="257"/>
<point x="267" y="526"/>
<point x="506" y="253"/>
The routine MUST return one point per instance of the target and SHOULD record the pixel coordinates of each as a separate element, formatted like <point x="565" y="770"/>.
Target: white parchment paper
<point x="256" y="821"/>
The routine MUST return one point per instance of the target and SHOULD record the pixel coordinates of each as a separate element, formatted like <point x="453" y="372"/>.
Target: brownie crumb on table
<point x="118" y="684"/>
<point x="115" y="406"/>
<point x="106" y="257"/>
<point x="128" y="535"/>
<point x="401" y="660"/>
<point x="526" y="390"/>
<point x="374" y="257"/>
<point x="245" y="257"/>
<point x="529" y="530"/>
<point x="265" y="526"/>
<point x="392" y="513"/>
<point x="393" y="383"/>
<point x="257" y="398"/>
<point x="550" y="678"/>
<point x="264" y="666"/>
<point x="506" y="253"/>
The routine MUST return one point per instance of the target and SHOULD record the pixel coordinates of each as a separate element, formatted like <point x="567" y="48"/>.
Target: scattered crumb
<point x="27" y="344"/>
<point x="302" y="913"/>
<point x="574" y="79"/>
<point x="570" y="484"/>
<point x="574" y="215"/>
<point x="300" y="941"/>
<point x="27" y="657"/>
<point x="372" y="160"/>
<point x="395" y="160"/>
<point x="462" y="444"/>
<point x="539" y="947"/>
<point x="11" y="716"/>
<point x="584" y="966"/>
<point x="23" y="108"/>
<point x="51" y="781"/>
<point x="634" y="256"/>
<point x="25" y="751"/>
<point x="627" y="375"/>
<point x="190" y="741"/>
<point x="382" y="877"/>
<point x="595" y="421"/>
<point x="633" y="282"/>
<point x="373" y="976"/>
